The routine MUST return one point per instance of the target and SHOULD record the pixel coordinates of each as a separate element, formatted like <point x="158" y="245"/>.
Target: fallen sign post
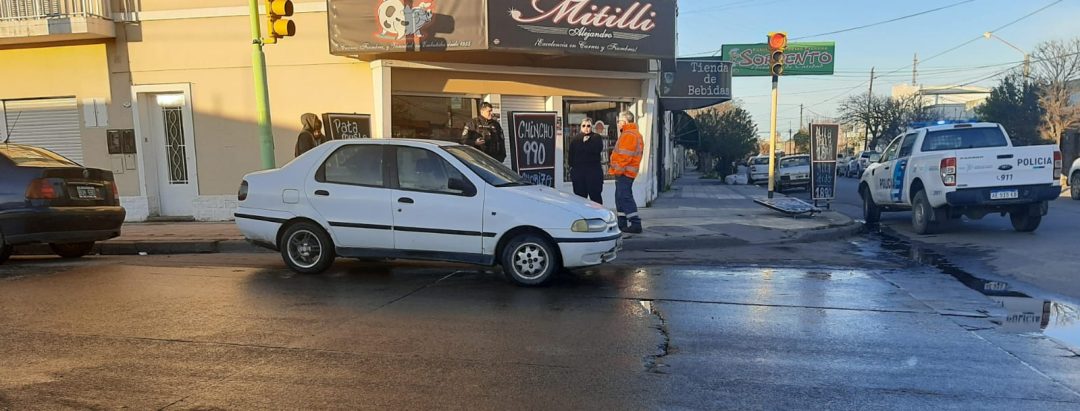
<point x="788" y="205"/>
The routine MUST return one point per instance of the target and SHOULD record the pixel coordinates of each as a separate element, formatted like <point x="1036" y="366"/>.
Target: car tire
<point x="1074" y="186"/>
<point x="530" y="260"/>
<point x="1024" y="222"/>
<point x="306" y="248"/>
<point x="924" y="218"/>
<point x="871" y="212"/>
<point x="5" y="252"/>
<point x="72" y="250"/>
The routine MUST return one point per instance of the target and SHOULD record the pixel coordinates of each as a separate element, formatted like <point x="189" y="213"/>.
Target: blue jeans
<point x="624" y="201"/>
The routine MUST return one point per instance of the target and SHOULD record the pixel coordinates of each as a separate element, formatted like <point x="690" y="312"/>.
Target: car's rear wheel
<point x="306" y="248"/>
<point x="5" y="252"/>
<point x="1074" y="186"/>
<point x="1025" y="222"/>
<point x="923" y="218"/>
<point x="530" y="260"/>
<point x="72" y="250"/>
<point x="871" y="212"/>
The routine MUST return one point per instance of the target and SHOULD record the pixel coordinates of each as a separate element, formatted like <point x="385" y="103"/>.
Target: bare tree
<point x="1057" y="63"/>
<point x="885" y="117"/>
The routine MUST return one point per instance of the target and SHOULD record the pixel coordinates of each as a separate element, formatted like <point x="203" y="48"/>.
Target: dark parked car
<point x="46" y="198"/>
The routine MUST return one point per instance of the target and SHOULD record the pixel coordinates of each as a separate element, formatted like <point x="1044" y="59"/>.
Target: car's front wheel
<point x="307" y="249"/>
<point x="530" y="260"/>
<point x="72" y="250"/>
<point x="871" y="212"/>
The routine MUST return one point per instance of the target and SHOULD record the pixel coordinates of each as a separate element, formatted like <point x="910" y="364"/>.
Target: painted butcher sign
<point x="532" y="136"/>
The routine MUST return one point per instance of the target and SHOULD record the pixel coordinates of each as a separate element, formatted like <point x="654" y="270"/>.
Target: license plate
<point x="1004" y="194"/>
<point x="801" y="177"/>
<point x="87" y="192"/>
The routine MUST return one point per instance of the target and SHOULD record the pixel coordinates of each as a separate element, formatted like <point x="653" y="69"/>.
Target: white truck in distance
<point x="971" y="170"/>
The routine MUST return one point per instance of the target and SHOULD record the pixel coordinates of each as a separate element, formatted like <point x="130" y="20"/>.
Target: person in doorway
<point x="485" y="134"/>
<point x="625" y="161"/>
<point x="312" y="134"/>
<point x="586" y="172"/>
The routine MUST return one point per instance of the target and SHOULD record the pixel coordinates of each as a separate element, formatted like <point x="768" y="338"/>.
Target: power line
<point x="884" y="21"/>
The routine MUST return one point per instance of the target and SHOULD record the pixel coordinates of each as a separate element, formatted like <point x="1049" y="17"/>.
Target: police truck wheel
<point x="1023" y="221"/>
<point x="922" y="214"/>
<point x="1074" y="186"/>
<point x="871" y="212"/>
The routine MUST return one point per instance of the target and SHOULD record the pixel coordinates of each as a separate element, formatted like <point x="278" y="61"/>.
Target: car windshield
<point x="494" y="172"/>
<point x="960" y="138"/>
<point x="34" y="157"/>
<point x="795" y="161"/>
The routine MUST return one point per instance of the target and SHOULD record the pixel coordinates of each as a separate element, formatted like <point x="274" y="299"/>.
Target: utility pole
<point x="869" y="99"/>
<point x="914" y="68"/>
<point x="800" y="117"/>
<point x="262" y="93"/>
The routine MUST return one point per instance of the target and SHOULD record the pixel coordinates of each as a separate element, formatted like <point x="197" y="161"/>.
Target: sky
<point x="705" y="25"/>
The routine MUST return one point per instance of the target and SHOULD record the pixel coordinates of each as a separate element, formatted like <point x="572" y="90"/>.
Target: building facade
<point x="161" y="93"/>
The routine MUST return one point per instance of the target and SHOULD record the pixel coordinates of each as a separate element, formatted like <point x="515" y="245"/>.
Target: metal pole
<point x="262" y="94"/>
<point x="1027" y="66"/>
<point x="772" y="137"/>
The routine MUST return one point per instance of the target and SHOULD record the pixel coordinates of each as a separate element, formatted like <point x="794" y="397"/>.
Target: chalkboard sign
<point x="532" y="139"/>
<point x="341" y="126"/>
<point x="823" y="146"/>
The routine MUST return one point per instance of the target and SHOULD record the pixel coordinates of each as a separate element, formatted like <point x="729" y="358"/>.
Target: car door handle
<point x="322" y="193"/>
<point x="405" y="200"/>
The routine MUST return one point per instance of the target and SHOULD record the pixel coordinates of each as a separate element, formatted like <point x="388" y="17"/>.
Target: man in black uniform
<point x="485" y="134"/>
<point x="586" y="173"/>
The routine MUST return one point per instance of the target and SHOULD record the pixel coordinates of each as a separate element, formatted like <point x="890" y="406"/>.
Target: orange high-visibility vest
<point x="626" y="157"/>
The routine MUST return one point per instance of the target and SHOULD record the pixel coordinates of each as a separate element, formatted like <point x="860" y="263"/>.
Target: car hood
<point x="565" y="201"/>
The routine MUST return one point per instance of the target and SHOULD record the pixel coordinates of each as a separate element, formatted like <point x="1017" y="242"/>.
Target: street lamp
<point x="1027" y="57"/>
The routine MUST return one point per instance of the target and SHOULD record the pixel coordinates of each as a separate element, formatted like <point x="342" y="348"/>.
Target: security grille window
<point x="605" y="116"/>
<point x="354" y="165"/>
<point x="175" y="150"/>
<point x="431" y="117"/>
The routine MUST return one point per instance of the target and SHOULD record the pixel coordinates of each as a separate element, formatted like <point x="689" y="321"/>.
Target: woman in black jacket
<point x="586" y="173"/>
<point x="311" y="136"/>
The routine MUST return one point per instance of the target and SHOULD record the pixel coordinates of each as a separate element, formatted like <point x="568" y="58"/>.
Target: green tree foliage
<point x="1014" y="104"/>
<point x="802" y="142"/>
<point x="728" y="133"/>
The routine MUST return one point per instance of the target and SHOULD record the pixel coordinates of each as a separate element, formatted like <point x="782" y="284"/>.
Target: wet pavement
<point x="865" y="323"/>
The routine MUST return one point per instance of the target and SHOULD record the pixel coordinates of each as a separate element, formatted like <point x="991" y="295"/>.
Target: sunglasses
<point x="586" y="126"/>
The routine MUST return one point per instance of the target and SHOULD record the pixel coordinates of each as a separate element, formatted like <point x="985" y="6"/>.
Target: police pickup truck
<point x="948" y="171"/>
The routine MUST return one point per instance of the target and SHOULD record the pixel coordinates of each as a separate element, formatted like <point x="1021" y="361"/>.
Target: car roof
<point x="411" y="142"/>
<point x="795" y="155"/>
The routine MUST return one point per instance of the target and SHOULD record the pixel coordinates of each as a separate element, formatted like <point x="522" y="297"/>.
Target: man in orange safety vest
<point x="625" y="162"/>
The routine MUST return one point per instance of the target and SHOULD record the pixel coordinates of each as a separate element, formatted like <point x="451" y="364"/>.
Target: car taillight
<point x="41" y="189"/>
<point x="948" y="171"/>
<point x="1057" y="165"/>
<point x="242" y="195"/>
<point x="115" y="192"/>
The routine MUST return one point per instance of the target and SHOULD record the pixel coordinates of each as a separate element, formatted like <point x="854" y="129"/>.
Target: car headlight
<point x="592" y="225"/>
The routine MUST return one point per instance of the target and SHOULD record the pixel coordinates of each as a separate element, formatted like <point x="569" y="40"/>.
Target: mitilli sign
<point x="639" y="28"/>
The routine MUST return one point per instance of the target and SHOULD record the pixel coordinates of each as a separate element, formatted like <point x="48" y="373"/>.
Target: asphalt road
<point x="1044" y="262"/>
<point x="836" y="325"/>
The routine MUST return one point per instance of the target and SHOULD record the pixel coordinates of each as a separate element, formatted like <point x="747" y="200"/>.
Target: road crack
<point x="653" y="362"/>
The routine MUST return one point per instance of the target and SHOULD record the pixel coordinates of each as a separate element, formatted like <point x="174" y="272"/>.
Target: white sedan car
<point x="420" y="199"/>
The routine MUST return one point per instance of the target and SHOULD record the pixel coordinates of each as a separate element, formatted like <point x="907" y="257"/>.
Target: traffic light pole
<point x="262" y="94"/>
<point x="772" y="137"/>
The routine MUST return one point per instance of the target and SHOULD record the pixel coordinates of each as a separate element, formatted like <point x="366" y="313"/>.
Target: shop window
<point x="605" y="116"/>
<point x="431" y="117"/>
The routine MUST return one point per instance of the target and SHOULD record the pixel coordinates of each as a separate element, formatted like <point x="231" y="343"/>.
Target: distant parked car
<point x="757" y="169"/>
<point x="862" y="161"/>
<point x="420" y="199"/>
<point x="46" y="198"/>
<point x="794" y="172"/>
<point x="1074" y="180"/>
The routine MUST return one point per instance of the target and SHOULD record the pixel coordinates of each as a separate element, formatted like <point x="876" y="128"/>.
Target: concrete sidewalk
<point x="694" y="214"/>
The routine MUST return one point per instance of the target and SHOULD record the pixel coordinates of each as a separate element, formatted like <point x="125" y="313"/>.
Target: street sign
<point x="823" y="147"/>
<point x="800" y="59"/>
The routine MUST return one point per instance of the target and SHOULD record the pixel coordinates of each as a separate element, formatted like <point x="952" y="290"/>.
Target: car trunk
<point x="75" y="187"/>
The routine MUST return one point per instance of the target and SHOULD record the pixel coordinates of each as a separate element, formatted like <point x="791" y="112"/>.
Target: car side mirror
<point x="461" y="185"/>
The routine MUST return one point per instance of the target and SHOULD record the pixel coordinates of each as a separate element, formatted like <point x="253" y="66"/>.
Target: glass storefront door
<point x="605" y="115"/>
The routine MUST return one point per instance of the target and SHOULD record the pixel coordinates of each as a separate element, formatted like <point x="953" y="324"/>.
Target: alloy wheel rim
<point x="305" y="249"/>
<point x="920" y="214"/>
<point x="530" y="261"/>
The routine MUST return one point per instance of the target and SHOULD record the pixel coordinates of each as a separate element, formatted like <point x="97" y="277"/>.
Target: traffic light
<point x="777" y="43"/>
<point x="278" y="26"/>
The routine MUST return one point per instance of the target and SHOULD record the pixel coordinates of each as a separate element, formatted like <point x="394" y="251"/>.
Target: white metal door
<point x="429" y="216"/>
<point x="49" y="123"/>
<point x="349" y="191"/>
<point x="174" y="148"/>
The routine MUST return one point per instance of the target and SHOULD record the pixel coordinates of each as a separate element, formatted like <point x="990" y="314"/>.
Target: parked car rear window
<point x="761" y="160"/>
<point x="795" y="161"/>
<point x="34" y="157"/>
<point x="961" y="138"/>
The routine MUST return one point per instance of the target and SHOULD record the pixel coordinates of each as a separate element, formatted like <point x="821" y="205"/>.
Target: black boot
<point x="622" y="224"/>
<point x="634" y="228"/>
